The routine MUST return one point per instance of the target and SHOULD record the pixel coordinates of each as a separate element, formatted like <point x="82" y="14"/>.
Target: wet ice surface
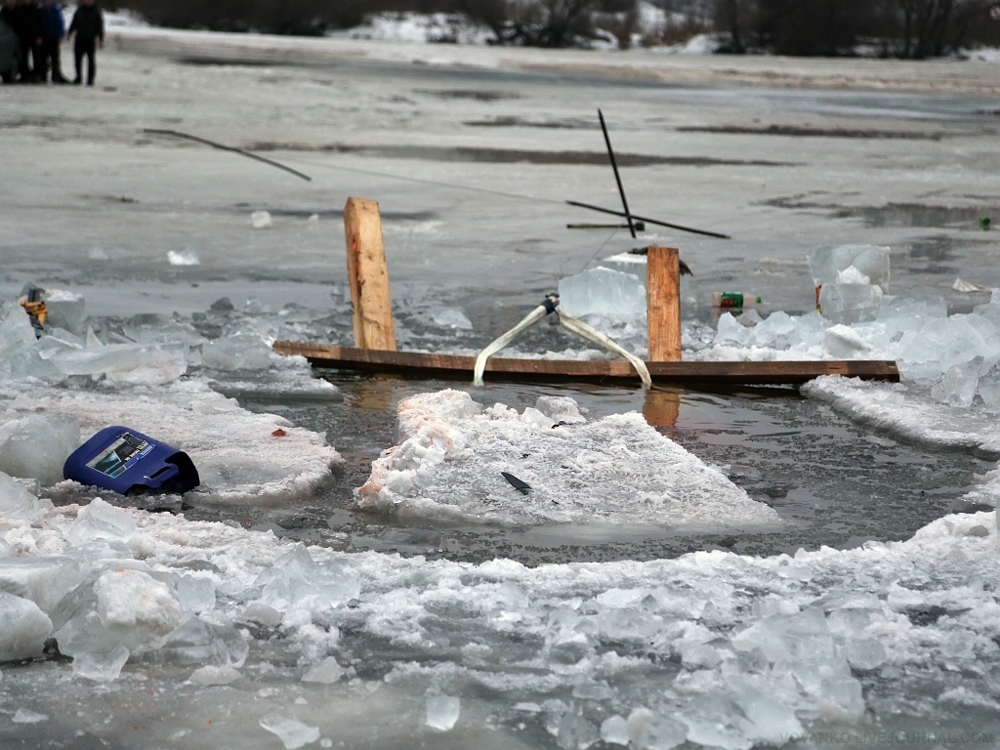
<point x="857" y="485"/>
<point x="566" y="634"/>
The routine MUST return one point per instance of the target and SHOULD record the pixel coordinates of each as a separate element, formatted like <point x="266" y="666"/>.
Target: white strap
<point x="533" y="317"/>
<point x="585" y="331"/>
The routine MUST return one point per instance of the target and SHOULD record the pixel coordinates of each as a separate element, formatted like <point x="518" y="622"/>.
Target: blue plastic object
<point x="120" y="459"/>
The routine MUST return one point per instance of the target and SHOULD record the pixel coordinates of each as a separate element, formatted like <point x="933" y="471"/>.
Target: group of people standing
<point x="41" y="28"/>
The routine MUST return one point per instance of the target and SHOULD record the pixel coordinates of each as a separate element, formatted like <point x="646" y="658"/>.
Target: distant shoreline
<point x="946" y="77"/>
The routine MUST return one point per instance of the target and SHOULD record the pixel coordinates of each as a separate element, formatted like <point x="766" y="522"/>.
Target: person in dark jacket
<point x="27" y="25"/>
<point x="88" y="25"/>
<point x="53" y="32"/>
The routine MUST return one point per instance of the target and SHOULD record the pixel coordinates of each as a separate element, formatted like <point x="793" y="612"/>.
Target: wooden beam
<point x="690" y="374"/>
<point x="663" y="304"/>
<point x="368" y="276"/>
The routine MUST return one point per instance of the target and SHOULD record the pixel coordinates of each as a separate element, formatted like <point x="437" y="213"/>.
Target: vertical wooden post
<point x="368" y="276"/>
<point x="663" y="304"/>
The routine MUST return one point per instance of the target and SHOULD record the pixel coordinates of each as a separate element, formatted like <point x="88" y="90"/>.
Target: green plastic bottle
<point x="734" y="299"/>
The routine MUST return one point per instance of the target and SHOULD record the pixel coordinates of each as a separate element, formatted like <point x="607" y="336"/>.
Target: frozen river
<point x="750" y="568"/>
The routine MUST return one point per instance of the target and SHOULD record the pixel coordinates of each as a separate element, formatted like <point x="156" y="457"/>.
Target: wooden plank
<point x="691" y="374"/>
<point x="368" y="276"/>
<point x="663" y="304"/>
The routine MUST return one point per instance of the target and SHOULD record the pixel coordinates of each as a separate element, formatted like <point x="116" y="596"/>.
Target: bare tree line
<point x="889" y="28"/>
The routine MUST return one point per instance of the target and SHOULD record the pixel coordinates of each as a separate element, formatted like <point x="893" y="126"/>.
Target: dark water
<point x="835" y="483"/>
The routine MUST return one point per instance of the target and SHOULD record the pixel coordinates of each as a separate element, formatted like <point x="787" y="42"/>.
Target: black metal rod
<point x="651" y="221"/>
<point x="618" y="178"/>
<point x="222" y="147"/>
<point x="638" y="225"/>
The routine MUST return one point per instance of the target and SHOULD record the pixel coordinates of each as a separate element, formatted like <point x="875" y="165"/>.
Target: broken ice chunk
<point x="732" y="331"/>
<point x="27" y="716"/>
<point x="560" y="409"/>
<point x="185" y="257"/>
<point x="137" y="364"/>
<point x="844" y="342"/>
<point x="911" y="305"/>
<point x="957" y="387"/>
<point x="242" y="351"/>
<point x="865" y="654"/>
<point x="261" y="614"/>
<point x="297" y="582"/>
<point x="101" y="666"/>
<point x="655" y="731"/>
<point x="151" y="328"/>
<point x="214" y="675"/>
<point x="122" y="607"/>
<point x="17" y="504"/>
<point x="871" y="261"/>
<point x="100" y="521"/>
<point x="989" y="390"/>
<point x="925" y="355"/>
<point x="198" y="642"/>
<point x="65" y="309"/>
<point x="776" y="331"/>
<point x="603" y="291"/>
<point x="801" y="645"/>
<point x="614" y="730"/>
<point x="37" y="446"/>
<point x="849" y="301"/>
<point x="292" y="733"/>
<point x="195" y="594"/>
<point x="261" y="220"/>
<point x="450" y="318"/>
<point x="23" y="628"/>
<point x="40" y="578"/>
<point x="443" y="711"/>
<point x="576" y="732"/>
<point x="326" y="672"/>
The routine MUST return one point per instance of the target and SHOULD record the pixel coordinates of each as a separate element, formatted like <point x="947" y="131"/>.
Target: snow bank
<point x="715" y="648"/>
<point x="453" y="452"/>
<point x="419" y="28"/>
<point x="241" y="456"/>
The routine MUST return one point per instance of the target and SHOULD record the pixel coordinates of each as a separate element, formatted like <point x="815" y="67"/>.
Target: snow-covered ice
<point x="453" y="452"/>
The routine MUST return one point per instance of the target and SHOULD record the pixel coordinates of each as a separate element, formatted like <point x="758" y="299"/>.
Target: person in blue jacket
<point x="88" y="25"/>
<point x="53" y="32"/>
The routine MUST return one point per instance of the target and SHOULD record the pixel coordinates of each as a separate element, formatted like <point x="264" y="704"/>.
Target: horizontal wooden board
<point x="454" y="367"/>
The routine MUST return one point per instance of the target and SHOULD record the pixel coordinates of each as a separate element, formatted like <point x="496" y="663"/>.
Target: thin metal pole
<point x="651" y="221"/>
<point x="618" y="179"/>
<point x="222" y="147"/>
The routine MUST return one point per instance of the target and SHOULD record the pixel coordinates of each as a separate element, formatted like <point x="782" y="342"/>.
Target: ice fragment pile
<point x="712" y="648"/>
<point x="617" y="469"/>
